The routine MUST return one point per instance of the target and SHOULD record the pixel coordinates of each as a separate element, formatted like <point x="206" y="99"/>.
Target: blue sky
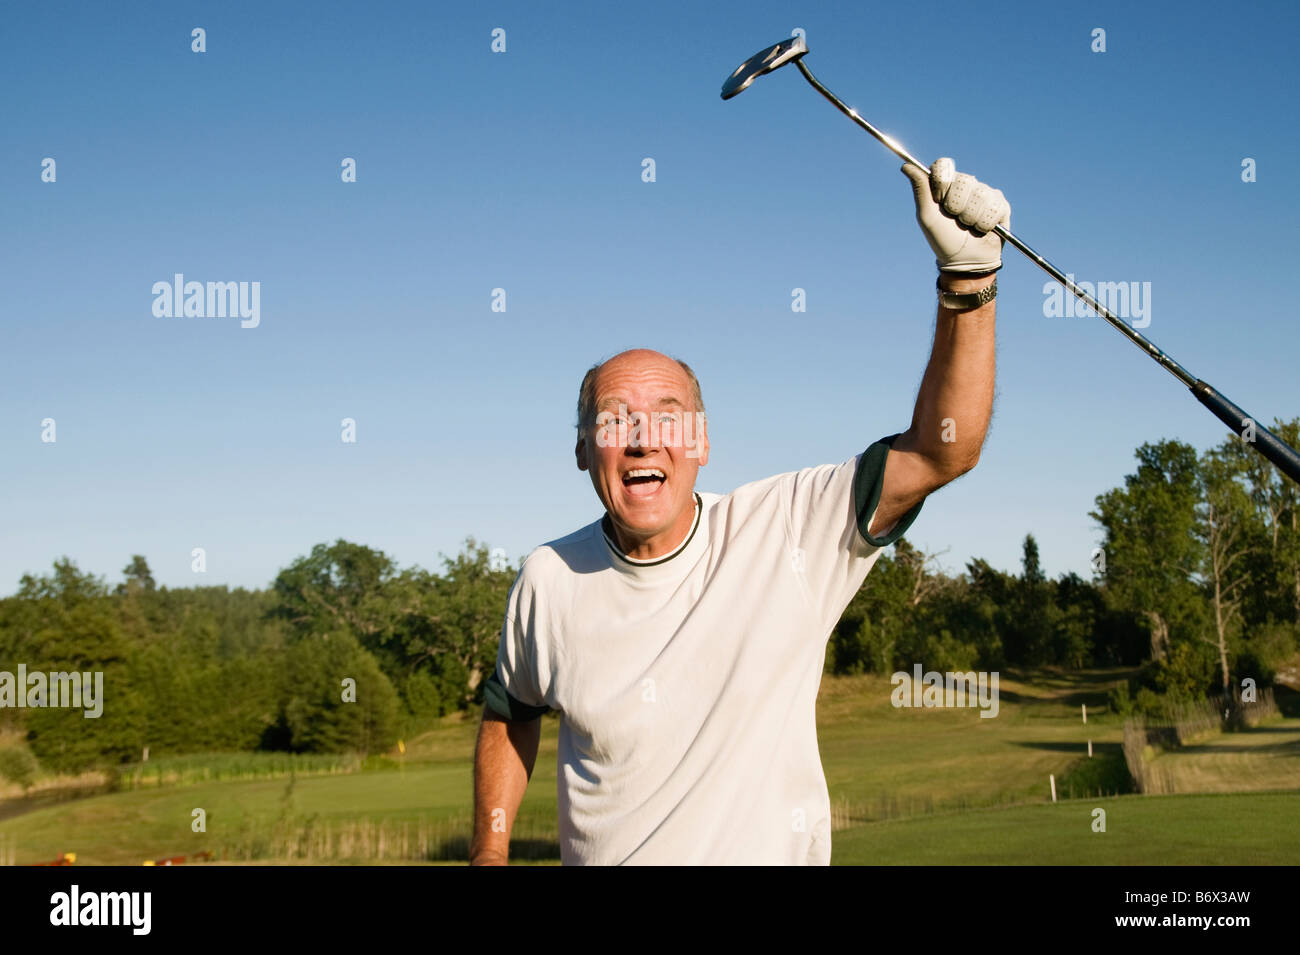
<point x="522" y="170"/>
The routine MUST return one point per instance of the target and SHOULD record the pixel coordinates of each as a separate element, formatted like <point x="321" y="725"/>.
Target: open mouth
<point x="643" y="482"/>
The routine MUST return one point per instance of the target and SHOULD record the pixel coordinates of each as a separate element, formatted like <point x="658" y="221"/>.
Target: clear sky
<point x="522" y="171"/>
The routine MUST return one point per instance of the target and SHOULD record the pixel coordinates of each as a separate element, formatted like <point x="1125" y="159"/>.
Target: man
<point x="682" y="637"/>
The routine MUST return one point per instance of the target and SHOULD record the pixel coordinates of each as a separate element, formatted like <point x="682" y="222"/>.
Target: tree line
<point x="1196" y="582"/>
<point x="1195" y="585"/>
<point x="204" y="669"/>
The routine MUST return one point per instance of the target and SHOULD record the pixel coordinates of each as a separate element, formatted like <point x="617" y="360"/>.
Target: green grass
<point x="1237" y="829"/>
<point x="883" y="762"/>
<point x="1262" y="757"/>
<point x="128" y="827"/>
<point x="906" y="785"/>
<point x="219" y="767"/>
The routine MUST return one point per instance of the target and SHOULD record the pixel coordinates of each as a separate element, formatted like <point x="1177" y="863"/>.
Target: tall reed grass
<point x="220" y="767"/>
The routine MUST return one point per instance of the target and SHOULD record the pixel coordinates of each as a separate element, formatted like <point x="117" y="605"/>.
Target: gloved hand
<point x="956" y="212"/>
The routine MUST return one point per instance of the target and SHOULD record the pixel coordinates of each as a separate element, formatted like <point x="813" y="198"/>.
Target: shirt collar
<point x="623" y="562"/>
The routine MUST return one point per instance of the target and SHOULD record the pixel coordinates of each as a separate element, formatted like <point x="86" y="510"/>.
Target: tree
<point x="1151" y="547"/>
<point x="340" y="585"/>
<point x="138" y="577"/>
<point x="451" y="623"/>
<point x="1078" y="611"/>
<point x="1274" y="568"/>
<point x="67" y="584"/>
<point x="66" y="630"/>
<point x="322" y="713"/>
<point x="877" y="629"/>
<point x="1227" y="531"/>
<point x="1029" y="633"/>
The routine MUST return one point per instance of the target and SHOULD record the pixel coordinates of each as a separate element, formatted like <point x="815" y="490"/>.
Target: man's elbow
<point x="953" y="465"/>
<point x="968" y="462"/>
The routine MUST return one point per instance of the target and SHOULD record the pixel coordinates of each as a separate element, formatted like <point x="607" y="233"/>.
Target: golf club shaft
<point x="1266" y="442"/>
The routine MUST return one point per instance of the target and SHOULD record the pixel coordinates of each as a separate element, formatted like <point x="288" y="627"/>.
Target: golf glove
<point x="956" y="212"/>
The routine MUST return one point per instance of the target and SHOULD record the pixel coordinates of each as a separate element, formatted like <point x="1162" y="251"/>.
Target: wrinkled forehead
<point x="642" y="382"/>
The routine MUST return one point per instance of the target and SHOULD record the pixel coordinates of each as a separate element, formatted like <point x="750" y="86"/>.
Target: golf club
<point x="1265" y="441"/>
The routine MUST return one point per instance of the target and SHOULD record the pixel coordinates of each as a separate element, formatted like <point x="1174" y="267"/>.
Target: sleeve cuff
<point x="499" y="701"/>
<point x="867" y="482"/>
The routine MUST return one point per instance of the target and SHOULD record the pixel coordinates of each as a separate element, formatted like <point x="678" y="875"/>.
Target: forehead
<point x="644" y="376"/>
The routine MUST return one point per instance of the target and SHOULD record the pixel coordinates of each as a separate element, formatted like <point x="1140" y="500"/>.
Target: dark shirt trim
<point x="499" y="701"/>
<point x="607" y="527"/>
<point x="867" y="482"/>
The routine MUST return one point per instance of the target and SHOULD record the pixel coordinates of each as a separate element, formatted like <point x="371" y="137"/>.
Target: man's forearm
<point x="955" y="400"/>
<point x="503" y="763"/>
<point x="957" y="213"/>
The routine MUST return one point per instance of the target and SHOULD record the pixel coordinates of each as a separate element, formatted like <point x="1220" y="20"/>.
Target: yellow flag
<point x="401" y="747"/>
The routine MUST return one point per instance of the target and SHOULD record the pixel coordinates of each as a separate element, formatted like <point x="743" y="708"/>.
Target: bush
<point x="1187" y="672"/>
<point x="315" y="713"/>
<point x="18" y="765"/>
<point x="1266" y="648"/>
<point x="1150" y="704"/>
<point x="424" y="704"/>
<point x="850" y="647"/>
<point x="1121" y="701"/>
<point x="947" y="654"/>
<point x="1106" y="774"/>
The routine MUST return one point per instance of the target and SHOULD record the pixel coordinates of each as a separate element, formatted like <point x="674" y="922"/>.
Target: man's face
<point x="643" y="453"/>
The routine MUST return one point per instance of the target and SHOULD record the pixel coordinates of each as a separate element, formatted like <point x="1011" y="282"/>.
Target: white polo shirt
<point x="688" y="685"/>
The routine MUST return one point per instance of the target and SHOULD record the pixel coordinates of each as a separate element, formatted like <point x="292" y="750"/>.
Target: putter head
<point x="774" y="57"/>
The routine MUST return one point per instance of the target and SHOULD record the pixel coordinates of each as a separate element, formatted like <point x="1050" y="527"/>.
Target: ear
<point x="704" y="441"/>
<point x="580" y="453"/>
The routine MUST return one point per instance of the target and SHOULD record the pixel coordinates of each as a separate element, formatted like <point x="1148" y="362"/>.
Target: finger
<point x="978" y="204"/>
<point x="928" y="213"/>
<point x="958" y="197"/>
<point x="942" y="171"/>
<point x="994" y="209"/>
<point x="920" y="185"/>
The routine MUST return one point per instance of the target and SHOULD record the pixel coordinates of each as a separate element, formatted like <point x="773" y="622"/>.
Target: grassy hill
<point x="907" y="785"/>
<point x="1236" y="829"/>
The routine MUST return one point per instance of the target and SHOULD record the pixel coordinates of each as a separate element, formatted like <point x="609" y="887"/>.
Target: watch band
<point x="965" y="301"/>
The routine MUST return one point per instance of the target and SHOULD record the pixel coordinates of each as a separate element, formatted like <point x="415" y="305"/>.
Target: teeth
<point x="644" y="472"/>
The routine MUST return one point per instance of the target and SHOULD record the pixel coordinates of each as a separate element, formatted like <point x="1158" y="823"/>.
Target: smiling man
<point x="682" y="636"/>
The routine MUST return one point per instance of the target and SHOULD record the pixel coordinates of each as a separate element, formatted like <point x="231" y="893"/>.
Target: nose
<point x="643" y="437"/>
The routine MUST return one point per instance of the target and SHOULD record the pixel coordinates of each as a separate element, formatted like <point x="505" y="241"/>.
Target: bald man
<point x="682" y="636"/>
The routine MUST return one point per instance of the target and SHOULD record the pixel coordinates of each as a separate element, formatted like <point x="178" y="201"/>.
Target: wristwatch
<point x="965" y="301"/>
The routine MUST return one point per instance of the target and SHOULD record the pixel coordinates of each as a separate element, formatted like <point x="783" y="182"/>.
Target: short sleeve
<point x="830" y="510"/>
<point x="514" y="690"/>
<point x="868" y="476"/>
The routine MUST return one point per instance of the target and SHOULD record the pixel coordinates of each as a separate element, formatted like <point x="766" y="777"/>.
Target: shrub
<point x="18" y="765"/>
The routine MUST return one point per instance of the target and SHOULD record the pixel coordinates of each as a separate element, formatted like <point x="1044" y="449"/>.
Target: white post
<point x="1090" y="749"/>
<point x="144" y="757"/>
<point x="1052" y="777"/>
<point x="1085" y="713"/>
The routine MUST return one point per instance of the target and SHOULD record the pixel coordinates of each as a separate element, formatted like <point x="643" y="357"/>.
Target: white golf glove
<point x="956" y="212"/>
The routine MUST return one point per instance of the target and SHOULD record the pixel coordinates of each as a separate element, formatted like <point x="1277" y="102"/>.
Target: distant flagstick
<point x="1238" y="421"/>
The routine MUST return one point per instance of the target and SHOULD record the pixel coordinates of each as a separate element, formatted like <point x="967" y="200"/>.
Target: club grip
<point x="1266" y="442"/>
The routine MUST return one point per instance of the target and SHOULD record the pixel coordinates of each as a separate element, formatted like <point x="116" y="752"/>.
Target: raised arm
<point x="955" y="401"/>
<point x="503" y="764"/>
